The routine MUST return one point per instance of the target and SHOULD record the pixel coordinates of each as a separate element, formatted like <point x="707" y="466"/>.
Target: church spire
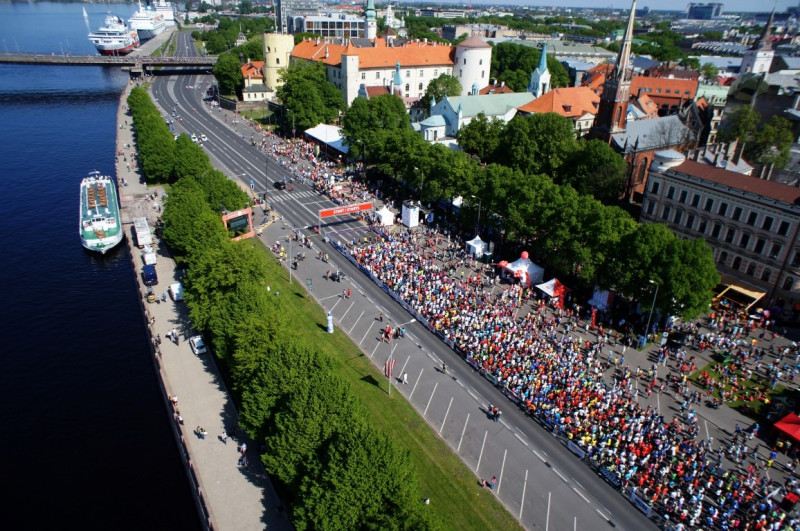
<point x="765" y="41"/>
<point x="624" y="55"/>
<point x="612" y="112"/>
<point x="371" y="26"/>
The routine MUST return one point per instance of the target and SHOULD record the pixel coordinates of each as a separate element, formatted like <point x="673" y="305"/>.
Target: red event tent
<point x="789" y="426"/>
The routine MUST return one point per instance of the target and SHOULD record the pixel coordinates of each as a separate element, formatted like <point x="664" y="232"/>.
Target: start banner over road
<point x="349" y="209"/>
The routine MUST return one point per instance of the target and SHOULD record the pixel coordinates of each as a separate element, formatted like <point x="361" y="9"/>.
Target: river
<point x="87" y="440"/>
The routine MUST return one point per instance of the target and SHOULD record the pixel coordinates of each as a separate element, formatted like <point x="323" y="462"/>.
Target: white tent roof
<point x="386" y="216"/>
<point x="534" y="273"/>
<point x="329" y="134"/>
<point x="476" y="246"/>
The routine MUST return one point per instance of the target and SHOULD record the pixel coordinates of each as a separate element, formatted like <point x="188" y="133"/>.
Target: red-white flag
<point x="388" y="367"/>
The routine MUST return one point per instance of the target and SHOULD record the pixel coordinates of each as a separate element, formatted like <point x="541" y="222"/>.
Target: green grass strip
<point x="456" y="497"/>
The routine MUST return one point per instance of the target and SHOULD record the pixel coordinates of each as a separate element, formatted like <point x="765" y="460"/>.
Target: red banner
<point x="349" y="209"/>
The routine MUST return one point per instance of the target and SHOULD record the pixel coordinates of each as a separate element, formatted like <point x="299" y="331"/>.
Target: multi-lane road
<point x="540" y="481"/>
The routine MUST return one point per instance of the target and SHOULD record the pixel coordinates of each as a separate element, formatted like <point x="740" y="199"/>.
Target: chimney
<point x="716" y="158"/>
<point x="327" y="52"/>
<point x="502" y="83"/>
<point x="426" y="40"/>
<point x="696" y="154"/>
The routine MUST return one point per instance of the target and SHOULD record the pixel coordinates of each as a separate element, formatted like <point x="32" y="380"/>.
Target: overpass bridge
<point x="134" y="62"/>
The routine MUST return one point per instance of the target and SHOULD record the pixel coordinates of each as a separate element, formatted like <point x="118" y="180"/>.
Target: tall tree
<point x="368" y="121"/>
<point x="228" y="74"/>
<point x="444" y="85"/>
<point x="537" y="143"/>
<point x="593" y="168"/>
<point x="773" y="143"/>
<point x="363" y="482"/>
<point x="308" y="97"/>
<point x="481" y="136"/>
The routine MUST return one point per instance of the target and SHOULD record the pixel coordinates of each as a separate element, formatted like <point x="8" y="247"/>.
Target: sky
<point x="730" y="6"/>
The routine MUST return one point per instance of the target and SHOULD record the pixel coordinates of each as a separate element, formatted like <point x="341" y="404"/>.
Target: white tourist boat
<point x="147" y="22"/>
<point x="114" y="37"/>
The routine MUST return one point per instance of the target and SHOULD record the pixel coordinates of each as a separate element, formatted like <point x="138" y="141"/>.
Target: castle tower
<point x="371" y="26"/>
<point x="759" y="57"/>
<point x="473" y="61"/>
<point x="540" y="78"/>
<point x="613" y="109"/>
<point x="277" y="53"/>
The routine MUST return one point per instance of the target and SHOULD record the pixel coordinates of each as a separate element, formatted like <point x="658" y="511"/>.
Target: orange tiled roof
<point x="380" y="56"/>
<point x="252" y="69"/>
<point x="702" y="103"/>
<point x="570" y="102"/>
<point x="661" y="87"/>
<point x="647" y="105"/>
<point x="496" y="88"/>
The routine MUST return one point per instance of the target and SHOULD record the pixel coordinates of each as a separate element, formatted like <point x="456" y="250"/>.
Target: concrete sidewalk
<point x="229" y="496"/>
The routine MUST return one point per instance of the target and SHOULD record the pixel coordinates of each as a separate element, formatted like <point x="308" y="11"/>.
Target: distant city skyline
<point x="730" y="6"/>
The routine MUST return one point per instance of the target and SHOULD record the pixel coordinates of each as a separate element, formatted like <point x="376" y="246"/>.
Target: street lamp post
<point x="649" y="317"/>
<point x="478" y="223"/>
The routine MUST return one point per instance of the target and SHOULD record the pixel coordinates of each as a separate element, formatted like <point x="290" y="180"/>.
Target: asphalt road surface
<point x="539" y="480"/>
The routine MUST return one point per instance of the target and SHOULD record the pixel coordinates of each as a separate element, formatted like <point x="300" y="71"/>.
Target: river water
<point x="85" y="438"/>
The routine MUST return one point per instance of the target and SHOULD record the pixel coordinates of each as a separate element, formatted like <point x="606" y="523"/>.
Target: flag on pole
<point x="388" y="367"/>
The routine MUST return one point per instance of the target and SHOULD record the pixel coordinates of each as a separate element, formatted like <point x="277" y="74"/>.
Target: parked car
<point x="204" y="138"/>
<point x="198" y="345"/>
<point x="194" y="138"/>
<point x="280" y="185"/>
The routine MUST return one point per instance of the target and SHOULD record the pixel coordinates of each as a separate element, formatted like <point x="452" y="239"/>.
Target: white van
<point x="176" y="291"/>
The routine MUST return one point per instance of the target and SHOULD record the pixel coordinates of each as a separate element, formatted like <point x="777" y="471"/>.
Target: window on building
<point x="460" y="73"/>
<point x="767" y="225"/>
<point x="650" y="207"/>
<point x="696" y="200"/>
<point x="408" y="87"/>
<point x="737" y="263"/>
<point x="483" y="74"/>
<point x="665" y="213"/>
<point x="408" y="73"/>
<point x="377" y="75"/>
<point x="723" y="209"/>
<point x="654" y="186"/>
<point x="776" y="251"/>
<point x="435" y="72"/>
<point x="788" y="283"/>
<point x="723" y="257"/>
<point x="363" y="75"/>
<point x="783" y="229"/>
<point x="690" y="221"/>
<point x="671" y="192"/>
<point x="751" y="219"/>
<point x="751" y="269"/>
<point x="465" y="60"/>
<point x="684" y="193"/>
<point x="420" y="86"/>
<point x="765" y="274"/>
<point x="678" y="215"/>
<point x="737" y="213"/>
<point x="715" y="231"/>
<point x="421" y="73"/>
<point x="744" y="241"/>
<point x="709" y="205"/>
<point x="277" y="60"/>
<point x="759" y="247"/>
<point x="480" y="61"/>
<point x="730" y="235"/>
<point x="796" y="259"/>
<point x="702" y="227"/>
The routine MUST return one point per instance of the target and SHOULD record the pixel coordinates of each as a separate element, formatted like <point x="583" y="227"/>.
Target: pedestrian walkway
<point x="233" y="493"/>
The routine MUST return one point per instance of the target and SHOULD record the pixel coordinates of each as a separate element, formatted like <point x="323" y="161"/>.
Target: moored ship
<point x="114" y="37"/>
<point x="100" y="225"/>
<point x="147" y="22"/>
<point x="166" y="10"/>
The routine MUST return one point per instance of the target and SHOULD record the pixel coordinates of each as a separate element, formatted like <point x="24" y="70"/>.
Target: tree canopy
<point x="444" y="85"/>
<point x="308" y="97"/>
